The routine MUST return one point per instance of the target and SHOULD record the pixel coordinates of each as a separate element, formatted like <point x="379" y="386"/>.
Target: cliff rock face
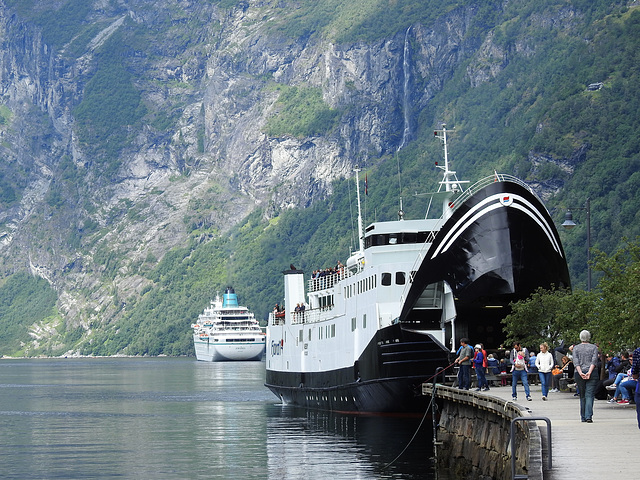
<point x="196" y="155"/>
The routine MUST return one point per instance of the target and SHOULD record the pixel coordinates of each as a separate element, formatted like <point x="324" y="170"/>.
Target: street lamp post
<point x="569" y="224"/>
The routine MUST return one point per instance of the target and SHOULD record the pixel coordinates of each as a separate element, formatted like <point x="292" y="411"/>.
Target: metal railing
<point x="513" y="443"/>
<point x="327" y="280"/>
<point x="498" y="177"/>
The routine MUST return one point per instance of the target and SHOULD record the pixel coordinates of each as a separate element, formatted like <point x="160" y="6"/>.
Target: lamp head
<point x="568" y="221"/>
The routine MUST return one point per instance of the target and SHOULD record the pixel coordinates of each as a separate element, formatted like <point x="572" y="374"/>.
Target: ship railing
<point x="327" y="281"/>
<point x="276" y="318"/>
<point x="312" y="315"/>
<point x="480" y="184"/>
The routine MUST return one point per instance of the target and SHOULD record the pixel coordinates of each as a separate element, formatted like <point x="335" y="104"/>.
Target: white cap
<point x="478" y="346"/>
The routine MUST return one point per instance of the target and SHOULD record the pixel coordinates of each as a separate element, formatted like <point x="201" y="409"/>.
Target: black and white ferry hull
<point x="386" y="379"/>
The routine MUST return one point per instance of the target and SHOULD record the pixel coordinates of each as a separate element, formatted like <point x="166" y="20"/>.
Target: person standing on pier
<point x="478" y="364"/>
<point x="519" y="370"/>
<point x="585" y="361"/>
<point x="544" y="362"/>
<point x="635" y="373"/>
<point x="464" y="361"/>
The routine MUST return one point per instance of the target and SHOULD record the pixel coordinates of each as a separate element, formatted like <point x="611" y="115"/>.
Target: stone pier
<point x="474" y="436"/>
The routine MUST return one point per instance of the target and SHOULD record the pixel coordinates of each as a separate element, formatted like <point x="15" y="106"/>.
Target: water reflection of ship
<point x="362" y="447"/>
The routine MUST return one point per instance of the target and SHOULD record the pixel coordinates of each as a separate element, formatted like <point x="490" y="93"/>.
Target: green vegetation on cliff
<point x="25" y="301"/>
<point x="523" y="108"/>
<point x="301" y="112"/>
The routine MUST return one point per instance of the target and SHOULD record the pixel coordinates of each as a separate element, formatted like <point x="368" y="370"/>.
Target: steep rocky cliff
<point x="81" y="213"/>
<point x="130" y="127"/>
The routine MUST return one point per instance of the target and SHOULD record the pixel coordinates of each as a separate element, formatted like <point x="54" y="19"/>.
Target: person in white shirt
<point x="544" y="363"/>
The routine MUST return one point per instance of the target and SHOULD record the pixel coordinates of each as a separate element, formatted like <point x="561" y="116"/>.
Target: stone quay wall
<point x="473" y="436"/>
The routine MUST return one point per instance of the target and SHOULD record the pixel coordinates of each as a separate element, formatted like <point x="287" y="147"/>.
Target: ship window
<point x="400" y="278"/>
<point x="410" y="238"/>
<point x="386" y="279"/>
<point x="309" y="334"/>
<point x="353" y="324"/>
<point x="364" y="321"/>
<point x="301" y="335"/>
<point x="396" y="238"/>
<point x="333" y="330"/>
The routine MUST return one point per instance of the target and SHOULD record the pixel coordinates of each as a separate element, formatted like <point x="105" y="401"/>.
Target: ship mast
<point x="449" y="180"/>
<point x="360" y="230"/>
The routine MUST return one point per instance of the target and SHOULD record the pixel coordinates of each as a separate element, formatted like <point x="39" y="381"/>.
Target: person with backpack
<point x="519" y="370"/>
<point x="479" y="361"/>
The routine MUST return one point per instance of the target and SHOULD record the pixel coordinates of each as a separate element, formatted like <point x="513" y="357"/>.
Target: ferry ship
<point x="373" y="330"/>
<point x="227" y="332"/>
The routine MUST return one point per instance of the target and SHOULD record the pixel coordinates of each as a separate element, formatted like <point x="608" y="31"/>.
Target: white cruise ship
<point x="227" y="332"/>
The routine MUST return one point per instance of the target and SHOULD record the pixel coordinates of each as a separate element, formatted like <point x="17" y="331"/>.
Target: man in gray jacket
<point x="585" y="361"/>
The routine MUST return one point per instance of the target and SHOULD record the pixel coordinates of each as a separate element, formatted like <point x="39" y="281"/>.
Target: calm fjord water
<point x="166" y="418"/>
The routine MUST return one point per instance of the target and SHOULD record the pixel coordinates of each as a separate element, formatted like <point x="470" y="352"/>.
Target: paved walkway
<point x="607" y="448"/>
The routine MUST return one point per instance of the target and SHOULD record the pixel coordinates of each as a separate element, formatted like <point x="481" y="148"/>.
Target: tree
<point x="610" y="313"/>
<point x="549" y="316"/>
<point x="617" y="317"/>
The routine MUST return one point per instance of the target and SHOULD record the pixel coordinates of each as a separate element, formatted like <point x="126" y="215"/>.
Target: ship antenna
<point x="449" y="179"/>
<point x="360" y="234"/>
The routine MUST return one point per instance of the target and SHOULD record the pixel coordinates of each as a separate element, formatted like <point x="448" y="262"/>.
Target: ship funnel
<point x="230" y="299"/>
<point x="293" y="291"/>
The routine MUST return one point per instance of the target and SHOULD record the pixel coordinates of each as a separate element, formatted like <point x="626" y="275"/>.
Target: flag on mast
<point x="366" y="191"/>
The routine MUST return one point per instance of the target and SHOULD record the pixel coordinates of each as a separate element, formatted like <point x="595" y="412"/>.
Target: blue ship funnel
<point x="230" y="299"/>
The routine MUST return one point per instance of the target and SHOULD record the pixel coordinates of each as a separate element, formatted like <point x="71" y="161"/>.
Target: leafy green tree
<point x="611" y="314"/>
<point x="617" y="317"/>
<point x="549" y="316"/>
